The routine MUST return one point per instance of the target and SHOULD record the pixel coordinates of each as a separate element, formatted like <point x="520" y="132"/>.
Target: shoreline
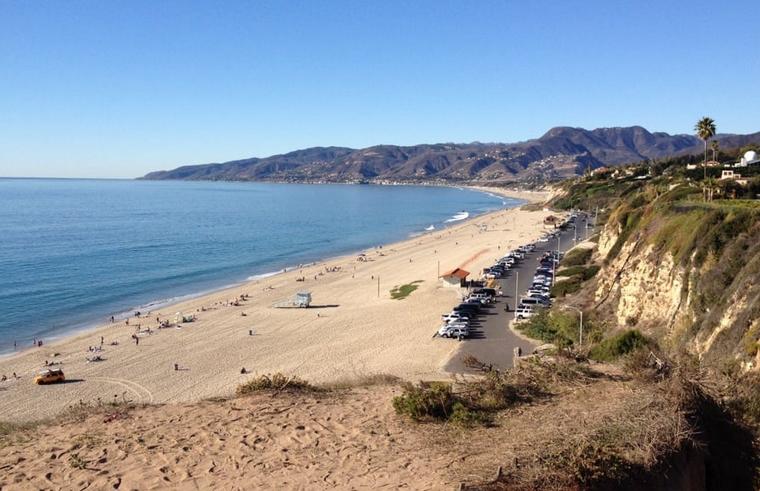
<point x="369" y="355"/>
<point x="77" y="329"/>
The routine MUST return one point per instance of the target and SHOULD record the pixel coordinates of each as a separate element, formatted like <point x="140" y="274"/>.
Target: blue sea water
<point x="75" y="252"/>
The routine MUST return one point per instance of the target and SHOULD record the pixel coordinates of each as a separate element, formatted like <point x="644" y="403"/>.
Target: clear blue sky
<point x="118" y="88"/>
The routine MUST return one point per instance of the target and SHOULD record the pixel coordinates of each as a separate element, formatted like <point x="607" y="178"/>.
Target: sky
<point x="116" y="88"/>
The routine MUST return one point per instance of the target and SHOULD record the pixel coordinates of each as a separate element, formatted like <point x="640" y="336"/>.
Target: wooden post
<point x="378" y="286"/>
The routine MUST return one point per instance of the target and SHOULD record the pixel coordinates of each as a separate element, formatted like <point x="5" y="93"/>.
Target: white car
<point x="457" y="332"/>
<point x="454" y="317"/>
<point x="523" y="312"/>
<point x="538" y="294"/>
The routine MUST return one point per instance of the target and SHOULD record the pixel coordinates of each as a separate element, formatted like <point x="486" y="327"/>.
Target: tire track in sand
<point x="140" y="391"/>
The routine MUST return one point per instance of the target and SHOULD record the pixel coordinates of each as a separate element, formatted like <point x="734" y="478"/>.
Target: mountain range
<point x="559" y="153"/>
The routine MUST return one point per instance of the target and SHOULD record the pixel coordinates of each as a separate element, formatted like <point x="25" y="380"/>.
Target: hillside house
<point x="728" y="174"/>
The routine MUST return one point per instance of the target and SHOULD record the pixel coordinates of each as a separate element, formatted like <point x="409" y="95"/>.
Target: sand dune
<point x="354" y="332"/>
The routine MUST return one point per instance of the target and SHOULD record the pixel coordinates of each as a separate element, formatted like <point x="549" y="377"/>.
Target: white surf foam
<point x="462" y="215"/>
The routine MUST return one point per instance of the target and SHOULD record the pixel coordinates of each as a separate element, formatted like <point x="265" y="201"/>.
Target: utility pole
<point x="580" y="327"/>
<point x="517" y="288"/>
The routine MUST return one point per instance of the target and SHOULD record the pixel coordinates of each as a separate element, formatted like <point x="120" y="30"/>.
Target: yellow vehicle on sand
<point x="49" y="377"/>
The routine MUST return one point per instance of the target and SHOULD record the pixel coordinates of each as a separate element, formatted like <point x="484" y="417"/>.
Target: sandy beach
<point x="350" y="331"/>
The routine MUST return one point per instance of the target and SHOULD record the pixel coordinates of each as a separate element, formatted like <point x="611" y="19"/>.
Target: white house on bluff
<point x="749" y="158"/>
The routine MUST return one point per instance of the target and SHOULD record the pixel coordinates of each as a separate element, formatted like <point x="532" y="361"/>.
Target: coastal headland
<point x="353" y="328"/>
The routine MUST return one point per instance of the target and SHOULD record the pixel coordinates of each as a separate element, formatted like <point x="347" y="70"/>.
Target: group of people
<point x="5" y="377"/>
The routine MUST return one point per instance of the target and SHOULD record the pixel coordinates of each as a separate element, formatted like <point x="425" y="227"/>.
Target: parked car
<point x="457" y="332"/>
<point x="49" y="376"/>
<point x="538" y="294"/>
<point x="455" y="316"/>
<point x="524" y="313"/>
<point x="534" y="302"/>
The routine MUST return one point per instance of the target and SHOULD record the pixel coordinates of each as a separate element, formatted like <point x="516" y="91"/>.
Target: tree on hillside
<point x="711" y="185"/>
<point x="715" y="147"/>
<point x="705" y="129"/>
<point x="747" y="148"/>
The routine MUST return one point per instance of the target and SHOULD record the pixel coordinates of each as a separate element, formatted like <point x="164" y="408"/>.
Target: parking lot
<point x="492" y="341"/>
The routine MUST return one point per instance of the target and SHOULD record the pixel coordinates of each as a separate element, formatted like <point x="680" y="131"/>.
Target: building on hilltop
<point x="749" y="158"/>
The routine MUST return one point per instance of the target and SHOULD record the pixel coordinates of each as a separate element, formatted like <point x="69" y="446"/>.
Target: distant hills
<point x="561" y="152"/>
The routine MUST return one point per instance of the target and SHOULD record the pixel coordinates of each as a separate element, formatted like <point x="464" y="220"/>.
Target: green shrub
<point x="474" y="402"/>
<point x="566" y="287"/>
<point x="577" y="257"/>
<point x="585" y="272"/>
<point x="552" y="326"/>
<point x="571" y="271"/>
<point x="464" y="416"/>
<point x="618" y="345"/>
<point x="590" y="272"/>
<point x="428" y="400"/>
<point x="276" y="381"/>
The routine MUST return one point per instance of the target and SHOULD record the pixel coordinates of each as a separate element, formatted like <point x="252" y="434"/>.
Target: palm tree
<point x="715" y="146"/>
<point x="705" y="129"/>
<point x="711" y="184"/>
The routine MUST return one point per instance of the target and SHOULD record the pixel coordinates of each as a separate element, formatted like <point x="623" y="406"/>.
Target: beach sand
<point x="350" y="332"/>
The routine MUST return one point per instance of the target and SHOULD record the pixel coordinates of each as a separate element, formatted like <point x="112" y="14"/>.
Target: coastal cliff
<point x="685" y="273"/>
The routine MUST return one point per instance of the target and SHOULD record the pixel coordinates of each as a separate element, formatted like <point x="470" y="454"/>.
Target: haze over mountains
<point x="561" y="152"/>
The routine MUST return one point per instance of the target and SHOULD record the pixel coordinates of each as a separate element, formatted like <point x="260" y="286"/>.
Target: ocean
<point x="74" y="252"/>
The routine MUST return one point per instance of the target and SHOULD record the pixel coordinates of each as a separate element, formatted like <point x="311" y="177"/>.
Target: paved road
<point x="492" y="340"/>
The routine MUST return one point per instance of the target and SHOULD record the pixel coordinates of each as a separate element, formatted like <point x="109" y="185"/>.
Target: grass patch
<point x="577" y="257"/>
<point x="585" y="272"/>
<point x="403" y="291"/>
<point x="566" y="287"/>
<point x="426" y="401"/>
<point x="275" y="382"/>
<point x="618" y="345"/>
<point x="7" y="428"/>
<point x="555" y="326"/>
<point x="372" y="380"/>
